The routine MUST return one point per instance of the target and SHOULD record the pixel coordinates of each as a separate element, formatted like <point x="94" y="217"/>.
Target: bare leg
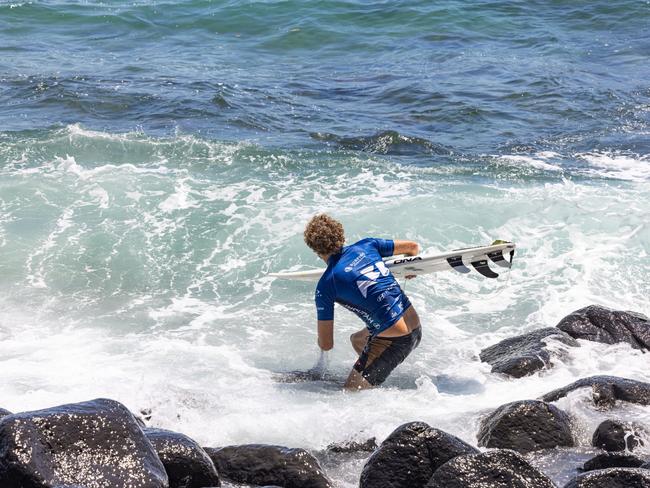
<point x="359" y="339"/>
<point x="356" y="382"/>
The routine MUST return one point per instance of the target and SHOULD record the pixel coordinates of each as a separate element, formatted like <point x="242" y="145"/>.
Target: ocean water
<point x="159" y="159"/>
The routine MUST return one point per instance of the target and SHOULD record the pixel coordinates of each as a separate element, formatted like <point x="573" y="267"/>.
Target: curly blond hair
<point x="324" y="235"/>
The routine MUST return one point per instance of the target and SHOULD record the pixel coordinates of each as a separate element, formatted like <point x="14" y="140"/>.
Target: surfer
<point x="357" y="278"/>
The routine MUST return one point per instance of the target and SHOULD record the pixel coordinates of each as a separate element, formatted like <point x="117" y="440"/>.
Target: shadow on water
<point x="311" y="380"/>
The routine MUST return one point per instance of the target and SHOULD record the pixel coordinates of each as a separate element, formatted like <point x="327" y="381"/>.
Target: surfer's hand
<point x="410" y="277"/>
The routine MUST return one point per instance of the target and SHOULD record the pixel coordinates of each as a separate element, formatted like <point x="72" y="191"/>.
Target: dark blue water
<point x="452" y="76"/>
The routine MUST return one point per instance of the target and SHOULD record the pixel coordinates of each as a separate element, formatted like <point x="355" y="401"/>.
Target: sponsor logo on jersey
<point x="354" y="262"/>
<point x="371" y="273"/>
<point x="388" y="290"/>
<point x="362" y="314"/>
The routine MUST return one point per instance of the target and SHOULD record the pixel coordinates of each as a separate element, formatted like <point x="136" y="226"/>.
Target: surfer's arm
<point x="326" y="334"/>
<point x="410" y="248"/>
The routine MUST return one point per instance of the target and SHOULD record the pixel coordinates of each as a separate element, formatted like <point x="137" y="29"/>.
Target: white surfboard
<point x="484" y="260"/>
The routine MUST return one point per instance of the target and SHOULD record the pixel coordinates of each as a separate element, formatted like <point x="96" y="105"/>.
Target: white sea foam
<point x="179" y="200"/>
<point x="147" y="282"/>
<point x="617" y="165"/>
<point x="538" y="162"/>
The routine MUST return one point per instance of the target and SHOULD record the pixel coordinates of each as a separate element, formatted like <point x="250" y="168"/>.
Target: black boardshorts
<point x="381" y="355"/>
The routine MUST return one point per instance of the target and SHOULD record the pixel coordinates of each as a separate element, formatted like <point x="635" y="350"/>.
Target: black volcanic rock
<point x="612" y="460"/>
<point x="410" y="455"/>
<point x="525" y="426"/>
<point x="612" y="435"/>
<point x="262" y="464"/>
<point x="524" y="354"/>
<point x="606" y="389"/>
<point x="186" y="463"/>
<point x="499" y="468"/>
<point x="612" y="478"/>
<point x="91" y="444"/>
<point x="353" y="446"/>
<point x="600" y="324"/>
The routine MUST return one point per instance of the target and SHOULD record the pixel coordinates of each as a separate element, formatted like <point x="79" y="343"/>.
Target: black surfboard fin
<point x="456" y="262"/>
<point x="483" y="268"/>
<point x="497" y="258"/>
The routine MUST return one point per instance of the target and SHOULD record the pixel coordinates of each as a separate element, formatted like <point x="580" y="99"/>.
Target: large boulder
<point x="409" y="456"/>
<point x="524" y="354"/>
<point x="186" y="463"/>
<point x="526" y="426"/>
<point x="612" y="460"/>
<point x="612" y="478"/>
<point x="600" y="324"/>
<point x="612" y="435"/>
<point x="262" y="464"/>
<point x="606" y="390"/>
<point x="493" y="469"/>
<point x="94" y="444"/>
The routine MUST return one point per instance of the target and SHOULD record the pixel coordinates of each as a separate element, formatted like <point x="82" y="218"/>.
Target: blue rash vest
<point x="358" y="279"/>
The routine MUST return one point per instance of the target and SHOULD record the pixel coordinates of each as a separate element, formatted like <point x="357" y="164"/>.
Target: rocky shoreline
<point x="101" y="444"/>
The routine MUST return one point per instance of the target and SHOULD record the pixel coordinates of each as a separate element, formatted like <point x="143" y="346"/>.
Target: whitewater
<point x="146" y="281"/>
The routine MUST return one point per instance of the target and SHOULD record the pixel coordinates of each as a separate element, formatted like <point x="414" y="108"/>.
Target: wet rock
<point x="606" y="389"/>
<point x="603" y="395"/>
<point x="646" y="466"/>
<point x="186" y="463"/>
<point x="410" y="455"/>
<point x="262" y="464"/>
<point x="354" y="446"/>
<point x="612" y="460"/>
<point x="386" y="142"/>
<point x="612" y="478"/>
<point x="493" y="469"/>
<point x="525" y="426"/>
<point x="600" y="324"/>
<point x="524" y="354"/>
<point x="91" y="444"/>
<point x="612" y="435"/>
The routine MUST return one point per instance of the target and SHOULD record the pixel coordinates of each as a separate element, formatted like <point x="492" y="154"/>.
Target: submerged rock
<point x="186" y="463"/>
<point x="409" y="456"/>
<point x="524" y="354"/>
<point x="612" y="460"/>
<point x="92" y="444"/>
<point x="262" y="464"/>
<point x="353" y="446"/>
<point x="386" y="142"/>
<point x="526" y="426"/>
<point x="600" y="324"/>
<point x="606" y="390"/>
<point x="612" y="478"/>
<point x="493" y="469"/>
<point x="612" y="435"/>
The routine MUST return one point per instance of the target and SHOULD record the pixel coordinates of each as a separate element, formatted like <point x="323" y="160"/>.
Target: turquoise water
<point x="157" y="160"/>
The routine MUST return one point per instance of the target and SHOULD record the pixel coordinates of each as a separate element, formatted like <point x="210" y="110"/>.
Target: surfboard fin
<point x="456" y="262"/>
<point x="483" y="268"/>
<point x="497" y="258"/>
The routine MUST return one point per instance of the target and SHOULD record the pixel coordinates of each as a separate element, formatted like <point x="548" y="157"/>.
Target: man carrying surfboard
<point x="357" y="278"/>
